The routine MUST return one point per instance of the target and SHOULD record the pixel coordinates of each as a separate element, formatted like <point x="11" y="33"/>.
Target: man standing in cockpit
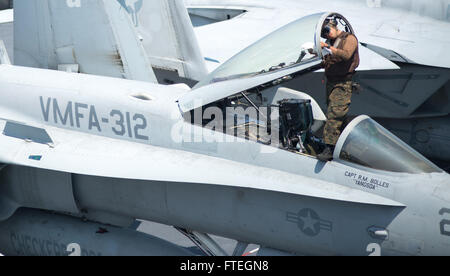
<point x="340" y="66"/>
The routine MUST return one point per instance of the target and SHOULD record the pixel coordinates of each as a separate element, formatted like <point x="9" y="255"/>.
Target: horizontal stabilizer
<point x="375" y="60"/>
<point x="388" y="54"/>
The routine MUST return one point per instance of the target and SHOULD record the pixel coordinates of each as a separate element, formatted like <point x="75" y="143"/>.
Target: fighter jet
<point x="404" y="71"/>
<point x="83" y="156"/>
<point x="404" y="66"/>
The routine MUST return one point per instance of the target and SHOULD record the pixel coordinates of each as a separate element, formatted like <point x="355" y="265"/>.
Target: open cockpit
<point x="245" y="98"/>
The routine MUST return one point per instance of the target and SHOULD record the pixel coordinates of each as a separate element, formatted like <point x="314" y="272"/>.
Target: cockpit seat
<point x="297" y="114"/>
<point x="318" y="117"/>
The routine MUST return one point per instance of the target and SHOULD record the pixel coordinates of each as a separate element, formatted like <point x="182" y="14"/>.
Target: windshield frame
<point x="214" y="76"/>
<point x="314" y="38"/>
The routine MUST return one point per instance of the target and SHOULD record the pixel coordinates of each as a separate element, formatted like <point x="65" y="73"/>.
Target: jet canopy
<point x="365" y="142"/>
<point x="288" y="46"/>
<point x="289" y="52"/>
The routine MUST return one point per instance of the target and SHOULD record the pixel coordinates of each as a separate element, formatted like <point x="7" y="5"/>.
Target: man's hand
<point x="324" y="45"/>
<point x="332" y="49"/>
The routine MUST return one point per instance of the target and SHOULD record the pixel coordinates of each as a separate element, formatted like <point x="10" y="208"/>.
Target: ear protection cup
<point x="325" y="32"/>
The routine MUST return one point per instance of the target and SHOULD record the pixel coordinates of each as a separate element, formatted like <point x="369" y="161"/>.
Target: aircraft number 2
<point x="374" y="249"/>
<point x="74" y="249"/>
<point x="444" y="222"/>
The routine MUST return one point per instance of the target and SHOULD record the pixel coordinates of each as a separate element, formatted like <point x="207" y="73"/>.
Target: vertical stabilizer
<point x="96" y="35"/>
<point x="168" y="36"/>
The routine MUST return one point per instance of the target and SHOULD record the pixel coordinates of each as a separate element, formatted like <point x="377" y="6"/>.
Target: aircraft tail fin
<point x="168" y="36"/>
<point x="120" y="38"/>
<point x="4" y="57"/>
<point x="98" y="36"/>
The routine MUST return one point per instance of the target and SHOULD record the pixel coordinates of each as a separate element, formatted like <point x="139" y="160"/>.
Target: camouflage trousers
<point x="339" y="98"/>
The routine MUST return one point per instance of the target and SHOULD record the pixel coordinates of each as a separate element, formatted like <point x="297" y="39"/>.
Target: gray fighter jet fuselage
<point x="233" y="157"/>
